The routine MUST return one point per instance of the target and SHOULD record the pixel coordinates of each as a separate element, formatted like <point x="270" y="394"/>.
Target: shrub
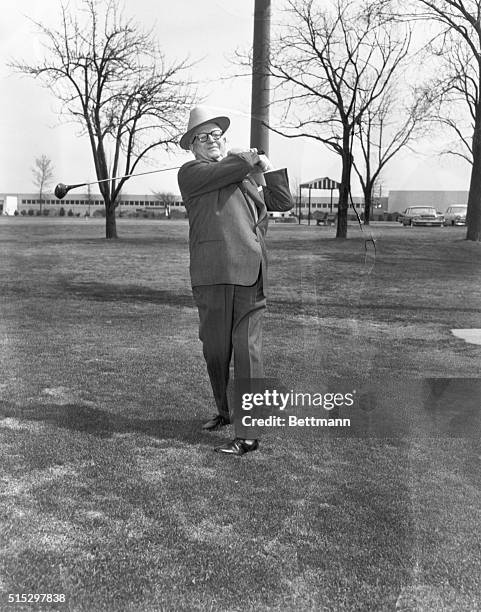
<point x="177" y="214"/>
<point x="70" y="213"/>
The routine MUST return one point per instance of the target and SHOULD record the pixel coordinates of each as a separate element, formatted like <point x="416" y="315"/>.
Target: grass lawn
<point x="111" y="493"/>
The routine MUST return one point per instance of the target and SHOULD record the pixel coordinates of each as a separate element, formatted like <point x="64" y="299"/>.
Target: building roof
<point x="321" y="183"/>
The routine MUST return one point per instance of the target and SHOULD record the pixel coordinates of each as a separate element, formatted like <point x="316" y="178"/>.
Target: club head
<point x="61" y="190"/>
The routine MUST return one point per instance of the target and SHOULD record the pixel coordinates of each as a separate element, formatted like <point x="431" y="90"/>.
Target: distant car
<point x="455" y="215"/>
<point x="421" y="215"/>
<point x="287" y="216"/>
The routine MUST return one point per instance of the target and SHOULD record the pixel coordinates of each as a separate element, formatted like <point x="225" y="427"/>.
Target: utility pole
<point x="260" y="76"/>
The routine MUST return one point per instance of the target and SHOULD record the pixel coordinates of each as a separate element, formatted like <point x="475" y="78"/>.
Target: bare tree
<point x="458" y="45"/>
<point x="331" y="63"/>
<point x="42" y="175"/>
<point x="387" y="126"/>
<point x="455" y="89"/>
<point x="167" y="198"/>
<point x="111" y="77"/>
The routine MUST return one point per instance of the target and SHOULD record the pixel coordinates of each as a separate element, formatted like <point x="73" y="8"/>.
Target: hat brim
<point x="222" y="122"/>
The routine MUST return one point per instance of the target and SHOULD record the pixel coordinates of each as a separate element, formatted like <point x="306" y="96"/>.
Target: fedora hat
<point x="198" y="117"/>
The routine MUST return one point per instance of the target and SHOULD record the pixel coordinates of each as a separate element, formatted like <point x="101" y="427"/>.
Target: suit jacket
<point x="228" y="217"/>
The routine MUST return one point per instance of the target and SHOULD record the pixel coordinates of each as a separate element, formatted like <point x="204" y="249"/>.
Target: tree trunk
<point x="344" y="189"/>
<point x="110" y="221"/>
<point x="367" y="204"/>
<point x="473" y="215"/>
<point x="342" y="211"/>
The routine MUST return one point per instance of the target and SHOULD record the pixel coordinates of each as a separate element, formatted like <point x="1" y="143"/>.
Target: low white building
<point x="81" y="204"/>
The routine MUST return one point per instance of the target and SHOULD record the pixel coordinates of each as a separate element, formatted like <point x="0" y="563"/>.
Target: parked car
<point x="422" y="215"/>
<point x="287" y="216"/>
<point x="455" y="215"/>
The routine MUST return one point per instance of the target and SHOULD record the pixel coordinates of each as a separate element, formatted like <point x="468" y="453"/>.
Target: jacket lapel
<point x="256" y="197"/>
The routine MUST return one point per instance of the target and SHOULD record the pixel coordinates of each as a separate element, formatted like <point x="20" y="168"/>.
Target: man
<point x="228" y="265"/>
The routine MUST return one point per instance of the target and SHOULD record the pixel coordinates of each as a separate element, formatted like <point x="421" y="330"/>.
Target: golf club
<point x="61" y="189"/>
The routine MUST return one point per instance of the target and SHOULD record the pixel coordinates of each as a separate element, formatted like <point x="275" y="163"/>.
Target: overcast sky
<point x="210" y="30"/>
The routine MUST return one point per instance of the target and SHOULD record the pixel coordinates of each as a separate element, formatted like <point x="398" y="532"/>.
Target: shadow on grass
<point x="287" y="306"/>
<point x="103" y="424"/>
<point x="105" y="292"/>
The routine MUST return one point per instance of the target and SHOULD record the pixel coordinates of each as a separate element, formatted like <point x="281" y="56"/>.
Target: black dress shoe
<point x="237" y="447"/>
<point x="216" y="422"/>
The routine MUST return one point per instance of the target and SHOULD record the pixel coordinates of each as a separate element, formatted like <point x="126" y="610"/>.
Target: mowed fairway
<point x="111" y="493"/>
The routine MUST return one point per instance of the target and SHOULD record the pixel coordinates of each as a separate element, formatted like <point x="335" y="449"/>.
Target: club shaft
<point x="116" y="178"/>
<point x="125" y="176"/>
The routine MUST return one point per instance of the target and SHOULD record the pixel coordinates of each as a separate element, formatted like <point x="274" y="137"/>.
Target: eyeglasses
<point x="203" y="136"/>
